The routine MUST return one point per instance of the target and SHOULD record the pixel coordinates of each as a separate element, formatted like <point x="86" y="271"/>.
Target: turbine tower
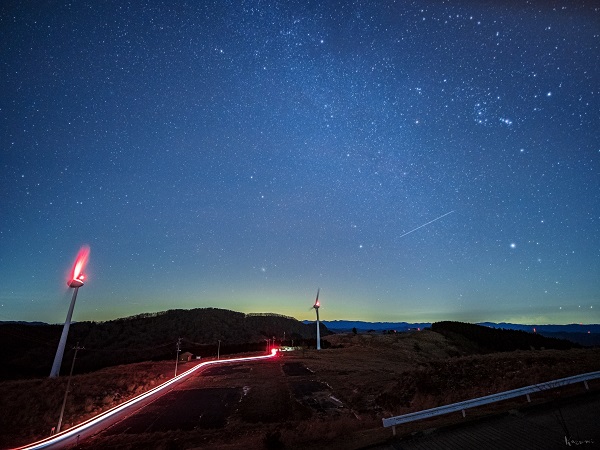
<point x="75" y="282"/>
<point x="316" y="306"/>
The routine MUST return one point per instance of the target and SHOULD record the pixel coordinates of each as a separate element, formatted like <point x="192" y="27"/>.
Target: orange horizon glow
<point x="80" y="263"/>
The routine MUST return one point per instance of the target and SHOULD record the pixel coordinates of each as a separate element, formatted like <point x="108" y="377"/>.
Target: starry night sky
<point x="240" y="154"/>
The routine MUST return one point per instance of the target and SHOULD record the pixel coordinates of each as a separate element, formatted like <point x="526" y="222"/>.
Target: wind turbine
<point x="75" y="281"/>
<point x="317" y="305"/>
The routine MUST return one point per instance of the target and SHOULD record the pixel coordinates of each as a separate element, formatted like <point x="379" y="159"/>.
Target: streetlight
<point x="219" y="350"/>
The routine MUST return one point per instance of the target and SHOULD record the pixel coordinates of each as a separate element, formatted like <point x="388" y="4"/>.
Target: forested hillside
<point x="28" y="350"/>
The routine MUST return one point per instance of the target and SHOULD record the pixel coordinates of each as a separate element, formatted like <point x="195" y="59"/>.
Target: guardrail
<point x="462" y="406"/>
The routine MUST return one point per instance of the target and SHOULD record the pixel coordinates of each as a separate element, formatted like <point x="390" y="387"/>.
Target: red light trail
<point x="80" y="263"/>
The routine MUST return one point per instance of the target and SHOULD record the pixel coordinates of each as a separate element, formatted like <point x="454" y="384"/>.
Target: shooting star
<point x="431" y="221"/>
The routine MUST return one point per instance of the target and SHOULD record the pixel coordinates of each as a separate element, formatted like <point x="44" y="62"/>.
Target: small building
<point x="186" y="356"/>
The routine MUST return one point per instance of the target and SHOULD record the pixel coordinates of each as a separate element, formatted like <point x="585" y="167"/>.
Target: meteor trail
<point x="426" y="224"/>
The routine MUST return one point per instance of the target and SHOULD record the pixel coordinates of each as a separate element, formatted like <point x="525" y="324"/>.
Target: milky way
<point x="240" y="154"/>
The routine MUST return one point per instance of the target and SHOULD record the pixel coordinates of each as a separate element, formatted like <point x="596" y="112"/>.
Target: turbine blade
<point x="317" y="304"/>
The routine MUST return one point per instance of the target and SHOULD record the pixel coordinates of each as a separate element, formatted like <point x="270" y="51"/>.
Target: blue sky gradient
<point x="240" y="154"/>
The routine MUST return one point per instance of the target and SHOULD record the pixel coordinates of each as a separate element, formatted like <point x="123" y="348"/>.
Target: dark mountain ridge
<point x="362" y="326"/>
<point x="28" y="350"/>
<point x="402" y="326"/>
<point x="547" y="328"/>
<point x="584" y="334"/>
<point x="489" y="340"/>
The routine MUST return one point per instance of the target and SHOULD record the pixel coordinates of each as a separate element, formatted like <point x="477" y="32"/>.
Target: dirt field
<point x="335" y="398"/>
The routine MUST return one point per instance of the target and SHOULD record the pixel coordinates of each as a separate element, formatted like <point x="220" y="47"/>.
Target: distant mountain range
<point x="361" y="326"/>
<point x="570" y="328"/>
<point x="587" y="335"/>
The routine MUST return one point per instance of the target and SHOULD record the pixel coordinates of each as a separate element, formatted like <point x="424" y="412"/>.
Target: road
<point x="93" y="426"/>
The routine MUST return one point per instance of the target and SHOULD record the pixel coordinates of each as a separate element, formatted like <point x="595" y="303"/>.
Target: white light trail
<point x="431" y="221"/>
<point x="60" y="440"/>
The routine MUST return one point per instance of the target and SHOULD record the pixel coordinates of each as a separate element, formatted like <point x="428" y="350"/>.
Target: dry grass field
<point x="334" y="398"/>
<point x="30" y="408"/>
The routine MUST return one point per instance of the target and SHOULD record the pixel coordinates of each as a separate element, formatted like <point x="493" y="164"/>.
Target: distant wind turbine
<point x="316" y="306"/>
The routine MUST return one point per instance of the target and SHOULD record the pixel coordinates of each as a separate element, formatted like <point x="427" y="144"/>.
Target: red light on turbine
<point x="77" y="276"/>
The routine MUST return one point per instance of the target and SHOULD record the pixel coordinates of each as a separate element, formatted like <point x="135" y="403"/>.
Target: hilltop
<point x="333" y="398"/>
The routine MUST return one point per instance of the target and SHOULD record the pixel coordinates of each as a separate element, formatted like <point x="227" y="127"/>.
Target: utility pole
<point x="177" y="355"/>
<point x="62" y="409"/>
<point x="219" y="350"/>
